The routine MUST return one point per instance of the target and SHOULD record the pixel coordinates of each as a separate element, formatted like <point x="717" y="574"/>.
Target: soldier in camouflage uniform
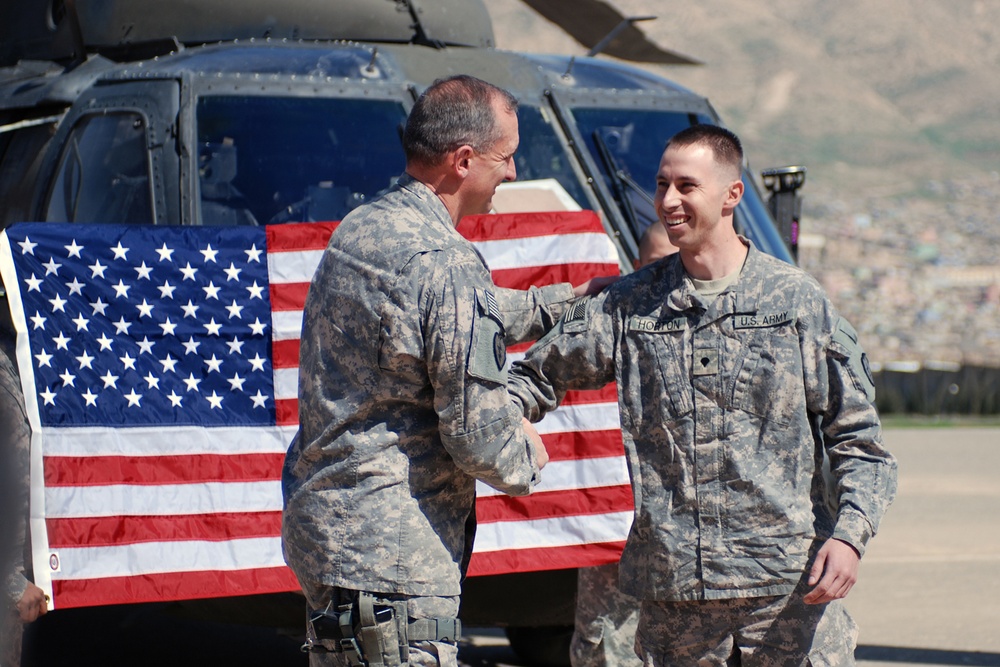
<point x="606" y="619"/>
<point x="25" y="600"/>
<point x="402" y="396"/>
<point x="735" y="373"/>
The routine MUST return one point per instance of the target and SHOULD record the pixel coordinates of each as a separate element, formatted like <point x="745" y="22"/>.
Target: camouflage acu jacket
<point x="403" y="401"/>
<point x="727" y="406"/>
<point x="15" y="458"/>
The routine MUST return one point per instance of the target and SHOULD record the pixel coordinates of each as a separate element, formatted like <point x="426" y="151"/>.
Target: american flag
<point x="159" y="366"/>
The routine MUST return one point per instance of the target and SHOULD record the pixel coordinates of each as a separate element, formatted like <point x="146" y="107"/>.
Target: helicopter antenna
<point x="79" y="46"/>
<point x="569" y="67"/>
<point x="626" y="23"/>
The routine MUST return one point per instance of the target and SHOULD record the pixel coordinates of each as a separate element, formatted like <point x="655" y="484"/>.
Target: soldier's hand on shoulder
<point x="541" y="454"/>
<point x="594" y="285"/>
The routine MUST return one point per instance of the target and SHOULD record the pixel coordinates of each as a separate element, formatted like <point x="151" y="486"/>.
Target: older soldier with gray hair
<point x="735" y="375"/>
<point x="403" y="402"/>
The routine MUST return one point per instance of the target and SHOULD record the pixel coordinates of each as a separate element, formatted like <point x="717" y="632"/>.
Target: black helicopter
<point x="257" y="112"/>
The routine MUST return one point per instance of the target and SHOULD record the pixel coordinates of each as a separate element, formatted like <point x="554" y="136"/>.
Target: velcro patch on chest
<point x="654" y="325"/>
<point x="763" y="319"/>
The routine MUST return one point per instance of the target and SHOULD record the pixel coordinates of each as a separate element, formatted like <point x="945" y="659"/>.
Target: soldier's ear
<point x="734" y="194"/>
<point x="460" y="160"/>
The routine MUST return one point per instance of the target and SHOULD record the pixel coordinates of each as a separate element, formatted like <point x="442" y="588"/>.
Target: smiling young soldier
<point x="736" y="376"/>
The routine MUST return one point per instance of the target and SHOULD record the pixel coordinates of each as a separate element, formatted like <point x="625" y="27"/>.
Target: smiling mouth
<point x="673" y="222"/>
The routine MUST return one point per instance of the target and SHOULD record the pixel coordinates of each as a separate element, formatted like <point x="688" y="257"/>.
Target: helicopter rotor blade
<point x="592" y="22"/>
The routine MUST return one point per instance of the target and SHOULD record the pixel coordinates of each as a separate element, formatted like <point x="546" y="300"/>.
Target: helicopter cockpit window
<point x="293" y="159"/>
<point x="103" y="172"/>
<point x="627" y="145"/>
<point x="540" y="154"/>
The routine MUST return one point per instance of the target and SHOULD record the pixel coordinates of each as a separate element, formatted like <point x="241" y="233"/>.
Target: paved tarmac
<point x="928" y="594"/>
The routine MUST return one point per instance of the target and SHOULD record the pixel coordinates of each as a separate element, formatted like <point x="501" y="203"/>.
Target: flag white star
<point x="209" y="253"/>
<point x="99" y="306"/>
<point x="259" y="400"/>
<point x="27" y="247"/>
<point x="90" y="397"/>
<point x="51" y="267"/>
<point x="258" y="327"/>
<point x="214" y="400"/>
<point x="190" y="309"/>
<point x="191" y="346"/>
<point x="85" y="360"/>
<point x="34" y="284"/>
<point x="168" y="363"/>
<point x="256" y="291"/>
<point x="253" y="255"/>
<point x="58" y="303"/>
<point x="166" y="290"/>
<point x="152" y="381"/>
<point x="73" y="249"/>
<point x="110" y="380"/>
<point x="257" y="362"/>
<point x="232" y="272"/>
<point x="145" y="309"/>
<point x="188" y="271"/>
<point x="214" y="364"/>
<point x="121" y="326"/>
<point x="75" y="287"/>
<point x="68" y="379"/>
<point x="38" y="320"/>
<point x="235" y="310"/>
<point x="145" y="345"/>
<point x="81" y="322"/>
<point x="97" y="269"/>
<point x="235" y="346"/>
<point x="128" y="362"/>
<point x="48" y="396"/>
<point x="212" y="328"/>
<point x="175" y="400"/>
<point x="168" y="327"/>
<point x="62" y="343"/>
<point x="121" y="289"/>
<point x="119" y="251"/>
<point x="143" y="271"/>
<point x="236" y="382"/>
<point x="44" y="359"/>
<point x="211" y="291"/>
<point x="133" y="398"/>
<point x="192" y="382"/>
<point x="105" y="342"/>
<point x="166" y="254"/>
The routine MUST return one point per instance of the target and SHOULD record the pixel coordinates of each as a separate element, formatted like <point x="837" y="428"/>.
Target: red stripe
<point x="288" y="296"/>
<point x="550" y="504"/>
<point x="155" y="470"/>
<point x="573" y="273"/>
<point x="172" y="586"/>
<point x="528" y="225"/>
<point x="576" y="445"/>
<point x="286" y="411"/>
<point x="296" y="236"/>
<point x="544" y="558"/>
<point x="103" y="531"/>
<point x="285" y="353"/>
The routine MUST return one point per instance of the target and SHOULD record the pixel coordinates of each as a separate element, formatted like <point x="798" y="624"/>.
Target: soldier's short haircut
<point x="726" y="146"/>
<point x="453" y="112"/>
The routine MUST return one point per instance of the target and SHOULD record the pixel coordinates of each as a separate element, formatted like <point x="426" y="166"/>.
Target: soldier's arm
<point x="529" y="313"/>
<point x="466" y="363"/>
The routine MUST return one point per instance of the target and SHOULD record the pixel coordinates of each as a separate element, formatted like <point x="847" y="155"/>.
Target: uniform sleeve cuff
<point x="853" y="528"/>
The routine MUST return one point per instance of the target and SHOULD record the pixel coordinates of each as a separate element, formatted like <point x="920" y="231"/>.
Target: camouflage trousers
<point x="606" y="619"/>
<point x="777" y="631"/>
<point x="420" y="653"/>
<point x="11" y="633"/>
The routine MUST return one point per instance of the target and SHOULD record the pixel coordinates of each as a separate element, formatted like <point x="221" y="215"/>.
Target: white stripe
<point x="574" y="474"/>
<point x="160" y="557"/>
<point x="286" y="383"/>
<point x="286" y="324"/>
<point x="161" y="441"/>
<point x="518" y="253"/>
<point x="295" y="266"/>
<point x="556" y="532"/>
<point x="66" y="502"/>
<point x="581" y="417"/>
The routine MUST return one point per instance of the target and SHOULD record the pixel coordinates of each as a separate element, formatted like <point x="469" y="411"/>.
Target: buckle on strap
<point x="434" y="630"/>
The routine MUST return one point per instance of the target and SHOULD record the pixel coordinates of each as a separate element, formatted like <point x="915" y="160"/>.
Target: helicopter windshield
<point x="279" y="159"/>
<point x="627" y="145"/>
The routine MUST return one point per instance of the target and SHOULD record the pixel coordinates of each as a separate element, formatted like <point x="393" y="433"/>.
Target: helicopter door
<point x="116" y="157"/>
